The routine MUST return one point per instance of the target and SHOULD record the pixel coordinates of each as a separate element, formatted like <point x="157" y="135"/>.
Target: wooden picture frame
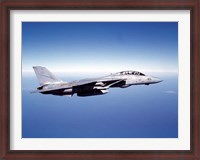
<point x="7" y="6"/>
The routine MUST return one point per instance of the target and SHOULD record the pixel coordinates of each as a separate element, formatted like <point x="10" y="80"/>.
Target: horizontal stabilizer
<point x="36" y="91"/>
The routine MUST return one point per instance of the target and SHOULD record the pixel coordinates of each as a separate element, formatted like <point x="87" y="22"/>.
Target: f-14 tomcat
<point x="50" y="84"/>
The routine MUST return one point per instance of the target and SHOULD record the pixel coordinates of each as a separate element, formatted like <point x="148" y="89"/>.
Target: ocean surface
<point x="139" y="111"/>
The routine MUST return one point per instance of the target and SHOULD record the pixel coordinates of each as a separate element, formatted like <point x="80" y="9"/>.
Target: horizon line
<point x="101" y="71"/>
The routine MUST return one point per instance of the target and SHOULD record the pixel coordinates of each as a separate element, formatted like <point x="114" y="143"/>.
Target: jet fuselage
<point x="92" y="86"/>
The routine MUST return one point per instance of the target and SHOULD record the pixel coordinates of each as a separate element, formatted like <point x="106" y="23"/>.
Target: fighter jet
<point x="50" y="84"/>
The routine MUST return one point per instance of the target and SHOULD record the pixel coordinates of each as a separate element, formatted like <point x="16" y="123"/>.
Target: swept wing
<point x="94" y="83"/>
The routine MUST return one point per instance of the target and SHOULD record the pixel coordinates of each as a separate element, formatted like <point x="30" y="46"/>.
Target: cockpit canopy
<point x="130" y="73"/>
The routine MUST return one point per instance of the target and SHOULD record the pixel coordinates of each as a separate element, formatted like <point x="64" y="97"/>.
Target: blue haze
<point x="135" y="112"/>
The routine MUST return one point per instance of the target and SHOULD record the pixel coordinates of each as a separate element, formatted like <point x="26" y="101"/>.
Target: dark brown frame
<point x="7" y="5"/>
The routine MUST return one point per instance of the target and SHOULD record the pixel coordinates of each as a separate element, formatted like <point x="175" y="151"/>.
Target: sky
<point x="100" y="46"/>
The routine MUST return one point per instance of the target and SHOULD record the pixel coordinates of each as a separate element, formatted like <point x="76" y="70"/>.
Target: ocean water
<point x="139" y="111"/>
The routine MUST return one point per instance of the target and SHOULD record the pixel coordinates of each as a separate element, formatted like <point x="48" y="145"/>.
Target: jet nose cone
<point x="156" y="80"/>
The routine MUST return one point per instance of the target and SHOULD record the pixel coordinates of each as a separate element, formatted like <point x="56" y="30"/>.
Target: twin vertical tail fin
<point x="44" y="76"/>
